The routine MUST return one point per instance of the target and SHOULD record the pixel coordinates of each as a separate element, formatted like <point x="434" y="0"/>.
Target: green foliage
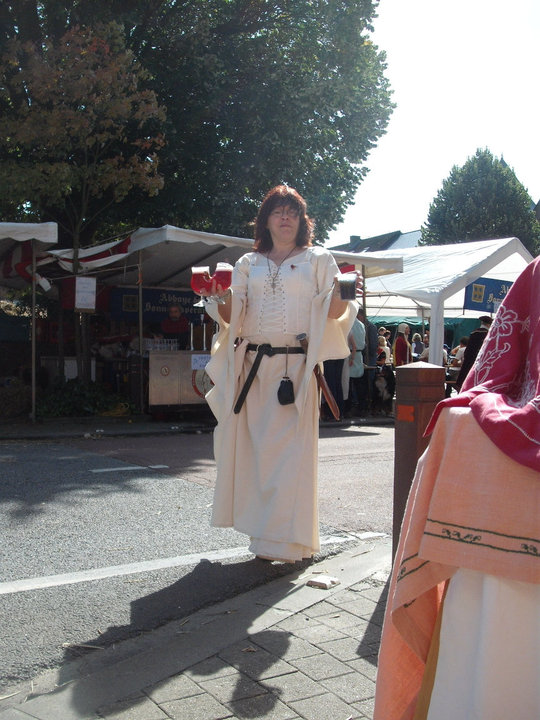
<point x="482" y="200"/>
<point x="257" y="92"/>
<point x="21" y="303"/>
<point x="76" y="399"/>
<point x="15" y="399"/>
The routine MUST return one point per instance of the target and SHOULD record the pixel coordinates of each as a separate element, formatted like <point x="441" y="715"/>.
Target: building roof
<point x="391" y="240"/>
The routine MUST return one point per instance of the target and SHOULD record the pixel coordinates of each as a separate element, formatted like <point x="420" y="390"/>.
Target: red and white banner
<point x="93" y="258"/>
<point x="18" y="263"/>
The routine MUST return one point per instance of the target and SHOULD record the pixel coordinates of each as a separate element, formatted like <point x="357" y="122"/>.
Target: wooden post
<point x="140" y="363"/>
<point x="33" y="334"/>
<point x="419" y="387"/>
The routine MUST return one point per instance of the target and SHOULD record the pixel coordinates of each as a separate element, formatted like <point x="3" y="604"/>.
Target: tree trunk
<point x="78" y="345"/>
<point x="85" y="349"/>
<point x="61" y="348"/>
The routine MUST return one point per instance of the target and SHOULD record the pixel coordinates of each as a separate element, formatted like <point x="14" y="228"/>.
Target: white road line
<point x="122" y="468"/>
<point x="40" y="583"/>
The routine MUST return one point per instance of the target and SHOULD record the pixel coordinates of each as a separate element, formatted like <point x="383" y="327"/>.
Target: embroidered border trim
<point x="409" y="566"/>
<point x="483" y="537"/>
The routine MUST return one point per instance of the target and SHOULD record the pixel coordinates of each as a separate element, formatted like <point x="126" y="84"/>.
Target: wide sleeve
<point x="327" y="334"/>
<point x="226" y="362"/>
<point x="327" y="338"/>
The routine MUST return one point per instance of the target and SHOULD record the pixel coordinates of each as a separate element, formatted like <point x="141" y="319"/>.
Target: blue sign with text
<point x="485" y="294"/>
<point x="124" y="303"/>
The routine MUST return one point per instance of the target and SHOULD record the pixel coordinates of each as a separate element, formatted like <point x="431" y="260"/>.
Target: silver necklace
<point x="274" y="275"/>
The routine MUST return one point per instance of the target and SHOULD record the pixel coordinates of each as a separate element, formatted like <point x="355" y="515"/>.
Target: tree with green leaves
<point x="257" y="92"/>
<point x="77" y="134"/>
<point x="482" y="200"/>
<point x="77" y="131"/>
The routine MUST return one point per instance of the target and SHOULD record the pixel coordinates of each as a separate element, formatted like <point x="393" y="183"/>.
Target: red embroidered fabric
<point x="503" y="387"/>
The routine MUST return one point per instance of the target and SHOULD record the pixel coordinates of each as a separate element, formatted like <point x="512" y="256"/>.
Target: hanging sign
<point x="85" y="294"/>
<point x="124" y="303"/>
<point x="485" y="294"/>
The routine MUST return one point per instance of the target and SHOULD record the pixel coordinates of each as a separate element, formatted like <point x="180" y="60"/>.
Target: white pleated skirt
<point x="267" y="458"/>
<point x="488" y="666"/>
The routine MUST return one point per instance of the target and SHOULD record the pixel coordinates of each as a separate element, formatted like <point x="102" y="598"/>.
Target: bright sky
<point x="465" y="76"/>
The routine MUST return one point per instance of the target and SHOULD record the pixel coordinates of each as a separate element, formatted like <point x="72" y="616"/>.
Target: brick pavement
<point x="280" y="652"/>
<point x="319" y="664"/>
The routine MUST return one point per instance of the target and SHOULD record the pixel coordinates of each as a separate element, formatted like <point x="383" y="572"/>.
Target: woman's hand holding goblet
<point x="221" y="281"/>
<point x="211" y="287"/>
<point x="200" y="283"/>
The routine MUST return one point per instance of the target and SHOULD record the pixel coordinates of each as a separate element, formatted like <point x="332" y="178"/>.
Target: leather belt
<point x="270" y="350"/>
<point x="262" y="349"/>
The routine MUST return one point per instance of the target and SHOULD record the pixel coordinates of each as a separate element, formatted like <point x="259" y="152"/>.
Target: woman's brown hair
<point x="282" y="196"/>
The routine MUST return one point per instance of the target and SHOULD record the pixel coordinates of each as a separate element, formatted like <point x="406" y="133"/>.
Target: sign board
<point x="85" y="294"/>
<point x="124" y="303"/>
<point x="485" y="294"/>
<point x="199" y="362"/>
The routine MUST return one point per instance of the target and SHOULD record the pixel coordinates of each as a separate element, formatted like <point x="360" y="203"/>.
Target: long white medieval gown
<point x="267" y="454"/>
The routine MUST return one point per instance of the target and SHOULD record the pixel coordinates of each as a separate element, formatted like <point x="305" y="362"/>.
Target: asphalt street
<point x="104" y="539"/>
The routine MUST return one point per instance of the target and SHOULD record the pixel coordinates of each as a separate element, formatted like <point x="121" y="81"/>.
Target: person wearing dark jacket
<point x="476" y="340"/>
<point x="365" y="391"/>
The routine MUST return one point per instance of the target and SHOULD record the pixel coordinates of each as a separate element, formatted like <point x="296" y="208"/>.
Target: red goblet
<point x="200" y="281"/>
<point x="222" y="277"/>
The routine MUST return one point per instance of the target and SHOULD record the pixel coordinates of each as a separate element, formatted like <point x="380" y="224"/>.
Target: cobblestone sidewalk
<point x="280" y="652"/>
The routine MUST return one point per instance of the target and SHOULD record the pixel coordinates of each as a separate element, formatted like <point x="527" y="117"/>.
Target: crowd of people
<point x="365" y="384"/>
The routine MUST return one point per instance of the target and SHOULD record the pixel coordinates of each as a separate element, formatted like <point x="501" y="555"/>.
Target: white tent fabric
<point x="46" y="233"/>
<point x="166" y="255"/>
<point x="147" y="238"/>
<point x="434" y="274"/>
<point x="94" y="257"/>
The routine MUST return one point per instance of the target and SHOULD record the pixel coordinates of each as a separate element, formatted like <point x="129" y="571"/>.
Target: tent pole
<point x="364" y="305"/>
<point x="33" y="332"/>
<point x="367" y="349"/>
<point x="141" y="339"/>
<point x="436" y="332"/>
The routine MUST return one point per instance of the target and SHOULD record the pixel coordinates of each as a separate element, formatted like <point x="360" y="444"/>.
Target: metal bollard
<point x="419" y="387"/>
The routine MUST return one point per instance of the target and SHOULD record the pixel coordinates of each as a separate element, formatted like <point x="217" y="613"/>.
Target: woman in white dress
<point x="265" y="446"/>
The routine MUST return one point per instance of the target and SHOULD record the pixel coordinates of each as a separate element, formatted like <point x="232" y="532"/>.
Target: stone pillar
<point x="419" y="387"/>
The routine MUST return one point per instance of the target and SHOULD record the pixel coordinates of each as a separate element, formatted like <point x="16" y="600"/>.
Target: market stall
<point x="149" y="273"/>
<point x="22" y="249"/>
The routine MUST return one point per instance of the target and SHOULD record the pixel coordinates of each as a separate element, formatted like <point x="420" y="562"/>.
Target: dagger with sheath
<point x="321" y="380"/>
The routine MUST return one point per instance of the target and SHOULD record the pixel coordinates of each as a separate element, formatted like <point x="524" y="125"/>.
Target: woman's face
<point x="283" y="224"/>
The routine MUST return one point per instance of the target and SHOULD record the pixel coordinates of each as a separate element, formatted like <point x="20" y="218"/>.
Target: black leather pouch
<point x="285" y="392"/>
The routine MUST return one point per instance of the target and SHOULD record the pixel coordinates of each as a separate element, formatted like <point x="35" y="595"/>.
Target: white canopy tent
<point x="41" y="236"/>
<point x="434" y="278"/>
<point x="166" y="255"/>
<point x="44" y="234"/>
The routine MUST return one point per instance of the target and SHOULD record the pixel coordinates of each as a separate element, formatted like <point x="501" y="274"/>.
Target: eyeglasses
<point x="282" y="212"/>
